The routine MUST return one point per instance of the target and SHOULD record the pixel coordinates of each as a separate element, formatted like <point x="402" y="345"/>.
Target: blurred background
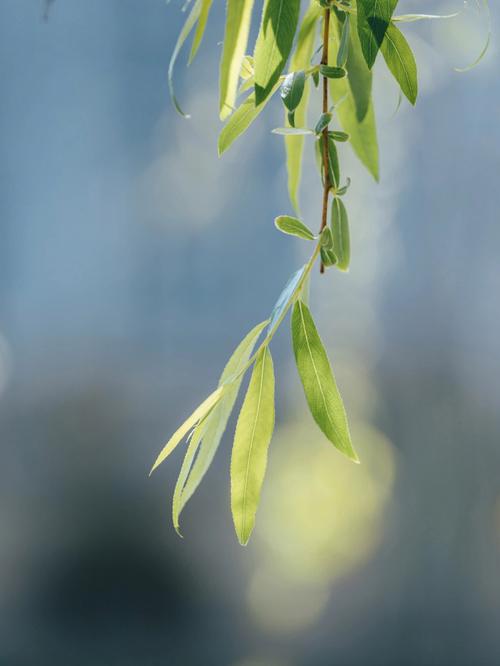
<point x="133" y="260"/>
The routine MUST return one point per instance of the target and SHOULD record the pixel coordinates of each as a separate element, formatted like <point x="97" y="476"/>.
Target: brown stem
<point x="326" y="171"/>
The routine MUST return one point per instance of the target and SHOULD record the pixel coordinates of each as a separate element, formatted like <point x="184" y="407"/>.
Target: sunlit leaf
<point x="343" y="50"/>
<point x="286" y="297"/>
<point x="184" y="34"/>
<point x="300" y="59"/>
<point x="340" y="232"/>
<point x="321" y="391"/>
<point x="238" y="17"/>
<point x="400" y="60"/>
<point x="210" y="431"/>
<point x="253" y="435"/>
<point x="241" y="120"/>
<point x="373" y="19"/>
<point x="200" y="28"/>
<point x="198" y="414"/>
<point x="293" y="227"/>
<point x="274" y="42"/>
<point x="355" y="93"/>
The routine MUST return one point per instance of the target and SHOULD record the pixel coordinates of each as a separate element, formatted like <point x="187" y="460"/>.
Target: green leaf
<point x="333" y="163"/>
<point x="200" y="28"/>
<point x="253" y="435"/>
<point x="328" y="257"/>
<point x="240" y="121"/>
<point x="191" y="452"/>
<point x="343" y="51"/>
<point x="326" y="239"/>
<point x="238" y="18"/>
<point x="340" y="231"/>
<point x="300" y="59"/>
<point x="332" y="72"/>
<point x="342" y="190"/>
<point x="293" y="227"/>
<point x="355" y="92"/>
<point x="341" y="137"/>
<point x="210" y="431"/>
<point x="292" y="89"/>
<point x="184" y="34"/>
<point x="321" y="391"/>
<point x="286" y="297"/>
<point x="198" y="414"/>
<point x="324" y="120"/>
<point x="400" y="60"/>
<point x="247" y="69"/>
<point x="274" y="42"/>
<point x="374" y="17"/>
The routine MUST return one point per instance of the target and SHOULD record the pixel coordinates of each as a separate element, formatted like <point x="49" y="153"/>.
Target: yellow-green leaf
<point x="251" y="442"/>
<point x="401" y="61"/>
<point x="200" y="28"/>
<point x="373" y="19"/>
<point x="209" y="431"/>
<point x="241" y="120"/>
<point x="293" y="227"/>
<point x="274" y="42"/>
<point x="238" y="18"/>
<point x="198" y="414"/>
<point x="320" y="389"/>
<point x="301" y="59"/>
<point x="184" y="34"/>
<point x="340" y="232"/>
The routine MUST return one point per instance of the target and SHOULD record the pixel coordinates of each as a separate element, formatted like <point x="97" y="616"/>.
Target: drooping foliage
<point x="328" y="46"/>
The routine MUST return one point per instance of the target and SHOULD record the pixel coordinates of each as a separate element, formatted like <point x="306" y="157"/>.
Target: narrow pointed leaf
<point x="200" y="28"/>
<point x="343" y="50"/>
<point x="253" y="435"/>
<point x="274" y="42"/>
<point x="184" y="34"/>
<point x="211" y="429"/>
<point x="198" y="414"/>
<point x="286" y="298"/>
<point x="187" y="463"/>
<point x="293" y="227"/>
<point x="240" y="121"/>
<point x="340" y="232"/>
<point x="238" y="18"/>
<point x="321" y="391"/>
<point x="373" y="19"/>
<point x="301" y="59"/>
<point x="401" y="61"/>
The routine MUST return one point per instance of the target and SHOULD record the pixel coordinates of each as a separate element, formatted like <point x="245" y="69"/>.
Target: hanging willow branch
<point x="347" y="35"/>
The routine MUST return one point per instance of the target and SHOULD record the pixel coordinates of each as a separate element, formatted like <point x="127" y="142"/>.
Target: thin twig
<point x="326" y="170"/>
